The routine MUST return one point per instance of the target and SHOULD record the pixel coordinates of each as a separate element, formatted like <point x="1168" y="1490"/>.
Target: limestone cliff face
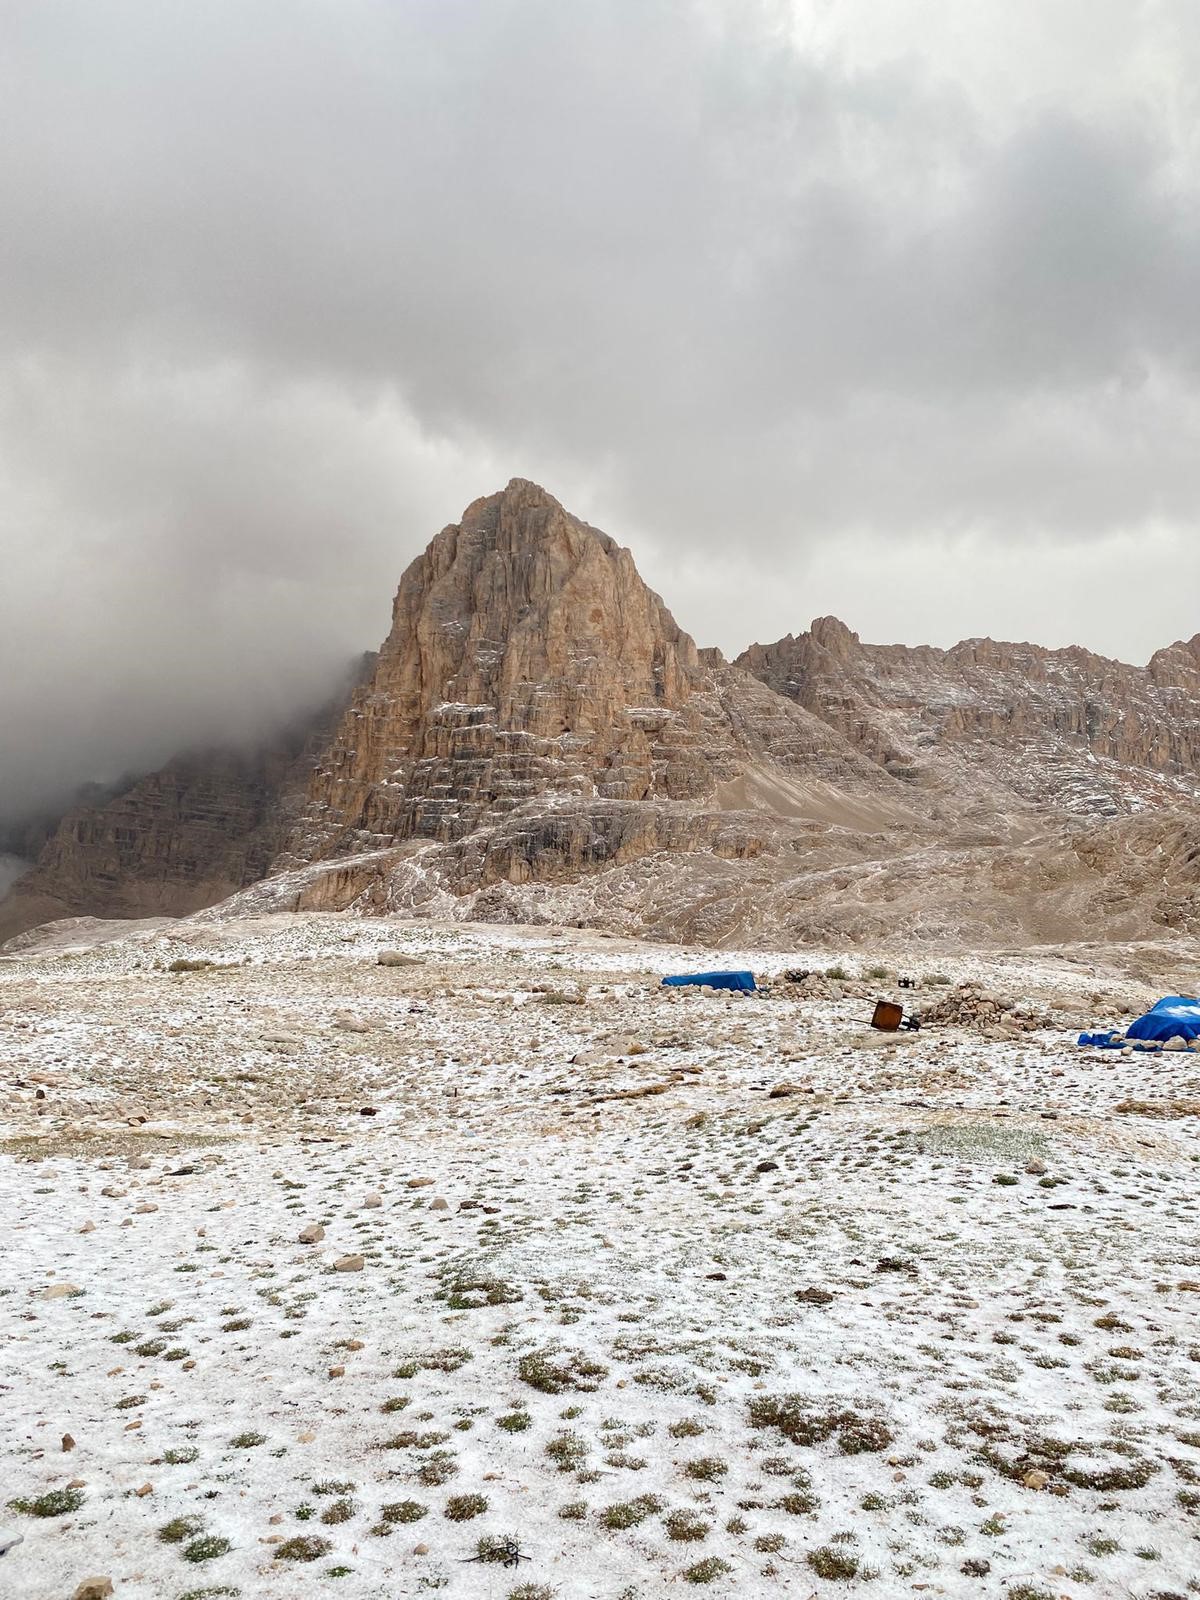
<point x="1061" y="728"/>
<point x="529" y="668"/>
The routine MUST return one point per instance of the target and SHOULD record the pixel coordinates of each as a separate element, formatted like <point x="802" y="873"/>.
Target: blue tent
<point x="1176" y="1016"/>
<point x="714" y="980"/>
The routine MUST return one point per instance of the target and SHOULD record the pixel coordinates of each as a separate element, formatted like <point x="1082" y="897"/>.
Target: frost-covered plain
<point x="611" y="1321"/>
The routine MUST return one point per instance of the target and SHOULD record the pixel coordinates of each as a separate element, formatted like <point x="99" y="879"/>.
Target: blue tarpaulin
<point x="1176" y="1016"/>
<point x="714" y="980"/>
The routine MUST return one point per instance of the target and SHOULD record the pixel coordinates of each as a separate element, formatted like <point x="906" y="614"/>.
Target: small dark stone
<point x="767" y="1166"/>
<point x="976" y="1567"/>
<point x="814" y="1297"/>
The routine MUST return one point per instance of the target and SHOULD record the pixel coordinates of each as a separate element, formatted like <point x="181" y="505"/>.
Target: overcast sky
<point x="886" y="308"/>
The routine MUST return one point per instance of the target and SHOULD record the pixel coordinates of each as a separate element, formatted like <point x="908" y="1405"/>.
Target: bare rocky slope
<point x="1061" y="729"/>
<point x="538" y="740"/>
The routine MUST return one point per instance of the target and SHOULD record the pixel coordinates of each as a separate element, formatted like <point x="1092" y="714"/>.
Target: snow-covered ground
<point x="615" y="1322"/>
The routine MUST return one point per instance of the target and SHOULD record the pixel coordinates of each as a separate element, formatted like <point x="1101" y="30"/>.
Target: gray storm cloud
<point x="817" y="309"/>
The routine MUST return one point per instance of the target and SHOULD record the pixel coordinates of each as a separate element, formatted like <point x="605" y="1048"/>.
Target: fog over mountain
<point x="814" y="319"/>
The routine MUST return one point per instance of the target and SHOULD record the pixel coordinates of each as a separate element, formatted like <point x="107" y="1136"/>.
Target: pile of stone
<point x="969" y="1005"/>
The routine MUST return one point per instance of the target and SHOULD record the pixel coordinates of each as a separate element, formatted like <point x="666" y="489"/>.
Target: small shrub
<point x="403" y="1511"/>
<point x="303" y="1547"/>
<point x="567" y="1451"/>
<point x="706" y="1469"/>
<point x="552" y="1372"/>
<point x="462" y="1507"/>
<point x="501" y="1548"/>
<point x="433" y="1361"/>
<point x="206" y="1548"/>
<point x="470" y="1291"/>
<point x="801" y="1503"/>
<point x="515" y="1421"/>
<point x="338" y="1511"/>
<point x="181" y="1458"/>
<point x="55" y="1503"/>
<point x="179" y="1529"/>
<point x="805" y="1422"/>
<point x="630" y="1513"/>
<point x="685" y="1526"/>
<point x="706" y="1571"/>
<point x="437" y="1469"/>
<point x="248" y="1441"/>
<point x="837" y="1566"/>
<point x="573" y="1511"/>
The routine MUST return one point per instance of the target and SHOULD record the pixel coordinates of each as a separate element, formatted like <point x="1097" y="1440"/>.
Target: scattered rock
<point x="68" y="1443"/>
<point x="349" y="1264"/>
<point x="350" y="1023"/>
<point x="313" y="1234"/>
<point x="814" y="1297"/>
<point x="94" y="1589"/>
<point x="397" y="958"/>
<point x="371" y="1201"/>
<point x="60" y="1291"/>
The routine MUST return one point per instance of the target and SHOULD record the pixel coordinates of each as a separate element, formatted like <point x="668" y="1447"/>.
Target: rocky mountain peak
<point x="833" y="635"/>
<point x="1177" y="667"/>
<point x="526" y="655"/>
